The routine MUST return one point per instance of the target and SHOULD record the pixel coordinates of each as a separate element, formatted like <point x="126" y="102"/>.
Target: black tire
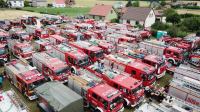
<point x="170" y="61"/>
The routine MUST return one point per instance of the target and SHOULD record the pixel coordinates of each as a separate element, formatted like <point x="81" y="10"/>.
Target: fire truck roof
<point x="143" y="67"/>
<point x="127" y="81"/>
<point x="87" y="45"/>
<point x="2" y="45"/>
<point x="176" y="49"/>
<point x="20" y="45"/>
<point x="2" y="34"/>
<point x="58" y="37"/>
<point x="72" y="50"/>
<point x="31" y="76"/>
<point x="154" y="58"/>
<point x="42" y="42"/>
<point x="106" y="92"/>
<point x="26" y="72"/>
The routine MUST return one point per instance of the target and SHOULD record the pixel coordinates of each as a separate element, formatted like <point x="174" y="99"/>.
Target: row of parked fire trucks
<point x="107" y="64"/>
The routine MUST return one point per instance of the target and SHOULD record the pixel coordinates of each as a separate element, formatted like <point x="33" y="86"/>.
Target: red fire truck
<point x="151" y="59"/>
<point x="118" y="38"/>
<point x="92" y="51"/>
<point x="24" y="77"/>
<point x="136" y="69"/>
<point x="18" y="49"/>
<point x="131" y="88"/>
<point x="99" y="33"/>
<point x="71" y="55"/>
<point x="89" y="34"/>
<point x="56" y="39"/>
<point x="83" y="26"/>
<point x="41" y="33"/>
<point x="4" y="36"/>
<point x="194" y="58"/>
<point x="4" y="56"/>
<point x="107" y="47"/>
<point x="72" y="35"/>
<point x="98" y="97"/>
<point x="174" y="55"/>
<point x="41" y="45"/>
<point x="52" y="68"/>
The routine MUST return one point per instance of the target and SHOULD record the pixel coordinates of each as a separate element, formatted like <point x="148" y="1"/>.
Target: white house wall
<point x="150" y="20"/>
<point x="15" y="4"/>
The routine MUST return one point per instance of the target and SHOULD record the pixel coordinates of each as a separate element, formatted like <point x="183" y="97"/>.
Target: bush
<point x="173" y="18"/>
<point x="172" y="31"/>
<point x="114" y="21"/>
<point x="169" y="11"/>
<point x="192" y="24"/>
<point x="129" y="4"/>
<point x="49" y="5"/>
<point x="26" y="3"/>
<point x="163" y="3"/>
<point x="160" y="26"/>
<point x="181" y="33"/>
<point x="187" y="15"/>
<point x="3" y="4"/>
<point x="136" y="3"/>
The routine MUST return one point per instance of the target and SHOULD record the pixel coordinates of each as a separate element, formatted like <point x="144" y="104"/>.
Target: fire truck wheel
<point x="73" y="70"/>
<point x="126" y="102"/>
<point x="98" y="110"/>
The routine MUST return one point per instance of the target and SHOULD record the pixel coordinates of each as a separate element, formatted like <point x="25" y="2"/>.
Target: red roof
<point x="100" y="10"/>
<point x="60" y="1"/>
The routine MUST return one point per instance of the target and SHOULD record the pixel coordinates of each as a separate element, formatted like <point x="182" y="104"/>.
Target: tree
<point x="172" y="31"/>
<point x="129" y="4"/>
<point x="169" y="11"/>
<point x="159" y="26"/>
<point x="162" y="3"/>
<point x="173" y="18"/>
<point x="192" y="23"/>
<point x="26" y="3"/>
<point x="2" y="4"/>
<point x="136" y="3"/>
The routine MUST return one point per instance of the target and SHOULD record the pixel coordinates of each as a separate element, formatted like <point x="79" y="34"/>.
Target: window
<point x="115" y="86"/>
<point x="94" y="96"/>
<point x="128" y="21"/>
<point x="168" y="52"/>
<point x="100" y="17"/>
<point x="137" y="22"/>
<point x="133" y="72"/>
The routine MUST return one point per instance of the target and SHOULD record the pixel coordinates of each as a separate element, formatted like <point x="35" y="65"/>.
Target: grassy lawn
<point x="74" y="11"/>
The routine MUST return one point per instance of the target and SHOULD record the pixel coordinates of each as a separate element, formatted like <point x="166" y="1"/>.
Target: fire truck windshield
<point x="35" y="84"/>
<point x="99" y="54"/>
<point x="83" y="62"/>
<point x="115" y="102"/>
<point x="27" y="49"/>
<point x="136" y="90"/>
<point x="2" y="51"/>
<point x="61" y="71"/>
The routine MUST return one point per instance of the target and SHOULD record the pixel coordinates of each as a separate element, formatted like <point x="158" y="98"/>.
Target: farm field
<point x="75" y="11"/>
<point x="190" y="11"/>
<point x="13" y="14"/>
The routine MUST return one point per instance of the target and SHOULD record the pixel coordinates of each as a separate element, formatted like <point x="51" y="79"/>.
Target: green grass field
<point x="74" y="11"/>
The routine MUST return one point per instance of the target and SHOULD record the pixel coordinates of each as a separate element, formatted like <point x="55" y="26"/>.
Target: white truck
<point x="186" y="85"/>
<point x="170" y="104"/>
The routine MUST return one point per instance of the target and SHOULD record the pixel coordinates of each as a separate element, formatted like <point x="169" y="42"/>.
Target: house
<point x="160" y="16"/>
<point x="39" y="3"/>
<point x="15" y="3"/>
<point x="70" y="2"/>
<point x="102" y="12"/>
<point x="59" y="3"/>
<point x="138" y="15"/>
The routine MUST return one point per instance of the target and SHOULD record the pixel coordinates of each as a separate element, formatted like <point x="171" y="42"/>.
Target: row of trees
<point x="177" y="26"/>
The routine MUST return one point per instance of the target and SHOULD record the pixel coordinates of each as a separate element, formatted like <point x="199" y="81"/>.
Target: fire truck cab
<point x="4" y="36"/>
<point x="72" y="35"/>
<point x="4" y="56"/>
<point x="71" y="55"/>
<point x="98" y="96"/>
<point x="95" y="53"/>
<point x="42" y="45"/>
<point x="24" y="50"/>
<point x="174" y="55"/>
<point x="52" y="68"/>
<point x="56" y="39"/>
<point x="107" y="47"/>
<point x="118" y="38"/>
<point x="89" y="34"/>
<point x="41" y="33"/>
<point x="24" y="77"/>
<point x="151" y="59"/>
<point x="131" y="88"/>
<point x="136" y="69"/>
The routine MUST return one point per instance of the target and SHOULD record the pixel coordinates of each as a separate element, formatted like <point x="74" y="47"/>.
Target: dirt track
<point x="12" y="14"/>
